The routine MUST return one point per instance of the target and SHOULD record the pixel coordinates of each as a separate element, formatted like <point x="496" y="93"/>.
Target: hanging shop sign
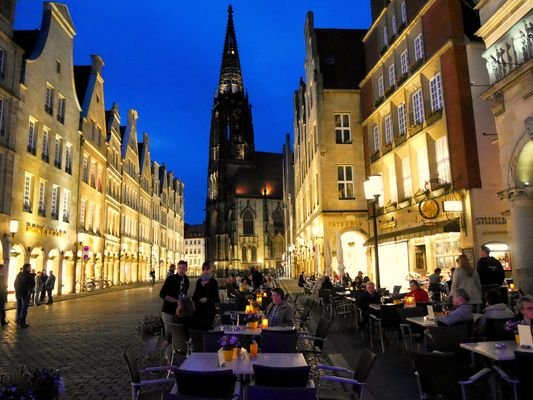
<point x="490" y="221"/>
<point x="429" y="209"/>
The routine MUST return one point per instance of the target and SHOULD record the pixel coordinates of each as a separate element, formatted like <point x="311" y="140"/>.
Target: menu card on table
<point x="525" y="335"/>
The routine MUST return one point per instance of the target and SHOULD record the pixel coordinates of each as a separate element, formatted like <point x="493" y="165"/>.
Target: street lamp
<point x="373" y="189"/>
<point x="13" y="227"/>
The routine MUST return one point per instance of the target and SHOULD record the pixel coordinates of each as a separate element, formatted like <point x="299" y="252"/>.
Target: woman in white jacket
<point x="467" y="278"/>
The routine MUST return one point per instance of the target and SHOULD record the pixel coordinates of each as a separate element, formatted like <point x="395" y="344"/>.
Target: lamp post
<point x="373" y="189"/>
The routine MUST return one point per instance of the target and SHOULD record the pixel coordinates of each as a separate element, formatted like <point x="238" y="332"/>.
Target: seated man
<point x="279" y="312"/>
<point x="461" y="313"/>
<point x="370" y="296"/>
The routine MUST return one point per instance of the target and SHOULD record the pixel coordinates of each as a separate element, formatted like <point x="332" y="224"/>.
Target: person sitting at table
<point x="279" y="312"/>
<point x="420" y="295"/>
<point x="495" y="309"/>
<point x="326" y="284"/>
<point x="461" y="313"/>
<point x="370" y="296"/>
<point x="524" y="316"/>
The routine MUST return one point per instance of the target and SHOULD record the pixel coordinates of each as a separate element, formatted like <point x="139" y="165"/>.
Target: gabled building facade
<point x="423" y="125"/>
<point x="331" y="210"/>
<point x="244" y="217"/>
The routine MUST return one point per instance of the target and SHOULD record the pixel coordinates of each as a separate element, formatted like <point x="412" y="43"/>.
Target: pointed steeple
<point x="230" y="71"/>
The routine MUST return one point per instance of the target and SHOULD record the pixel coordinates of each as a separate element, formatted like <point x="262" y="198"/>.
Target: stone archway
<point x="52" y="264"/>
<point x="17" y="255"/>
<point x="354" y="252"/>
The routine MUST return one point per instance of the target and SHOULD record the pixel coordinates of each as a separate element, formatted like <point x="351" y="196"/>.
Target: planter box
<point x="434" y="117"/>
<point x="399" y="140"/>
<point x="413" y="130"/>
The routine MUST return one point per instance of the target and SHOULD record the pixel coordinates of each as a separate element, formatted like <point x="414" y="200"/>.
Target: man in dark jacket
<point x="175" y="286"/>
<point x="23" y="285"/>
<point x="490" y="270"/>
<point x="3" y="296"/>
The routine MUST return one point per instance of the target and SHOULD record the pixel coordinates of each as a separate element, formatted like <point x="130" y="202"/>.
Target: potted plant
<point x="35" y="384"/>
<point x="252" y="321"/>
<point x="228" y="343"/>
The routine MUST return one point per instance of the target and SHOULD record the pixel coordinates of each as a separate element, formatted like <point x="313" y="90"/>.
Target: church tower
<point x="231" y="143"/>
<point x="244" y="186"/>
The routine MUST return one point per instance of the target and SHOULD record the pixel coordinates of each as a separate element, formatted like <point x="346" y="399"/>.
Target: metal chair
<point x="256" y="392"/>
<point x="408" y="331"/>
<point x="439" y="374"/>
<point x="521" y="383"/>
<point x="340" y="308"/>
<point x="279" y="341"/>
<point x="281" y="376"/>
<point x="196" y="340"/>
<point x="304" y="315"/>
<point x="207" y="384"/>
<point x="357" y="378"/>
<point x="180" y="342"/>
<point x="137" y="382"/>
<point x="388" y="320"/>
<point x="313" y="345"/>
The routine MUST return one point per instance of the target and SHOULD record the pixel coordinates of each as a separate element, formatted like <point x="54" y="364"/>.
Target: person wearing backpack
<point x="490" y="270"/>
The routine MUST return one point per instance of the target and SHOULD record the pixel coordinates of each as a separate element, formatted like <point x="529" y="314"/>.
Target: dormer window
<point x="394" y="25"/>
<point x="385" y="36"/>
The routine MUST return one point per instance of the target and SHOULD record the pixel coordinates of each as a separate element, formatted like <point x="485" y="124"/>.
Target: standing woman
<point x="466" y="277"/>
<point x="206" y="295"/>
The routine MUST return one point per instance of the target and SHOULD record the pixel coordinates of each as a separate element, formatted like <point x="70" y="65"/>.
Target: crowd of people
<point x="31" y="288"/>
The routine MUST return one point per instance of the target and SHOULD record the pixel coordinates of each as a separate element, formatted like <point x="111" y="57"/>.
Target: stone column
<point x="521" y="201"/>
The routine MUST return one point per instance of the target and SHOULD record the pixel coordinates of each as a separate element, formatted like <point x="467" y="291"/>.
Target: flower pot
<point x="252" y="325"/>
<point x="228" y="355"/>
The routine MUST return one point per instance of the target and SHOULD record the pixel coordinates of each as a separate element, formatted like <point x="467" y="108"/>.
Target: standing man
<point x="490" y="271"/>
<point x="32" y="292"/>
<point x="3" y="296"/>
<point x="49" y="286"/>
<point x="175" y="286"/>
<point x="44" y="278"/>
<point x="23" y="285"/>
<point x="39" y="287"/>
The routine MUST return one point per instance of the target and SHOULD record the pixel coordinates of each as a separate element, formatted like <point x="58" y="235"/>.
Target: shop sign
<point x="490" y="221"/>
<point x="429" y="209"/>
<point x="43" y="230"/>
<point x="387" y="225"/>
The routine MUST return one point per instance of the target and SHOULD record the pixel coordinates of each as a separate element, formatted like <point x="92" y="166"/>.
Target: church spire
<point x="230" y="71"/>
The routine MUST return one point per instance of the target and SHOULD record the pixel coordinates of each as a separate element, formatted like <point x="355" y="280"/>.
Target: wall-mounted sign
<point x="43" y="230"/>
<point x="429" y="209"/>
<point x="490" y="221"/>
<point x="387" y="225"/>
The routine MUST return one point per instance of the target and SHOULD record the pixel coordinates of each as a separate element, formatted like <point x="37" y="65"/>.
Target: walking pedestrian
<point x="174" y="287"/>
<point x="49" y="286"/>
<point x="206" y="295"/>
<point x="23" y="284"/>
<point x="152" y="277"/>
<point x="466" y="277"/>
<point x="32" y="291"/>
<point x="39" y="287"/>
<point x="3" y="297"/>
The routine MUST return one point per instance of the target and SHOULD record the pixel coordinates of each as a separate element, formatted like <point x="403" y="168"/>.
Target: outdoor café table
<point x="428" y="323"/>
<point x="497" y="351"/>
<point x="245" y="331"/>
<point x="209" y="362"/>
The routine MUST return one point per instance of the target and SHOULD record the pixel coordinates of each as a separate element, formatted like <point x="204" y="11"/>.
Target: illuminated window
<point x="393" y="192"/>
<point x="54" y="204"/>
<point x="435" y="86"/>
<point x="61" y="102"/>
<point x="68" y="158"/>
<point x="248" y="223"/>
<point x="28" y="189"/>
<point x="392" y="75"/>
<point x="58" y="155"/>
<point x="343" y="132"/>
<point x="385" y="36"/>
<point x="442" y="157"/>
<point x="394" y="25"/>
<point x="404" y="62"/>
<point x="375" y="134"/>
<point x="388" y="129"/>
<point x="403" y="9"/>
<point x="32" y="136"/>
<point x="423" y="167"/>
<point x="42" y="198"/>
<point x="49" y="100"/>
<point x="406" y="177"/>
<point x="46" y="139"/>
<point x="418" y="107"/>
<point x="402" y="125"/>
<point x="66" y="205"/>
<point x="419" y="48"/>
<point x="345" y="182"/>
<point x="381" y="87"/>
<point x="244" y="254"/>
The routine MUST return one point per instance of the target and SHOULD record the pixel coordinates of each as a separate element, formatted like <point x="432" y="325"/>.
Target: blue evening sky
<point x="162" y="58"/>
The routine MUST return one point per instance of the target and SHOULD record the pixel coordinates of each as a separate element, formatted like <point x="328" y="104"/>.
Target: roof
<point x="266" y="172"/>
<point x="26" y="39"/>
<point x="81" y="80"/>
<point x="191" y="231"/>
<point x="342" y="60"/>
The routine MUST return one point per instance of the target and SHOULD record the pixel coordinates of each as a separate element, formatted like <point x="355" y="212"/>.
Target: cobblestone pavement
<point x="84" y="337"/>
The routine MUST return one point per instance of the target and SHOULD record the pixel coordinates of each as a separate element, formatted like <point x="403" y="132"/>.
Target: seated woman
<point x="524" y="316"/>
<point x="461" y="313"/>
<point x="420" y="295"/>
